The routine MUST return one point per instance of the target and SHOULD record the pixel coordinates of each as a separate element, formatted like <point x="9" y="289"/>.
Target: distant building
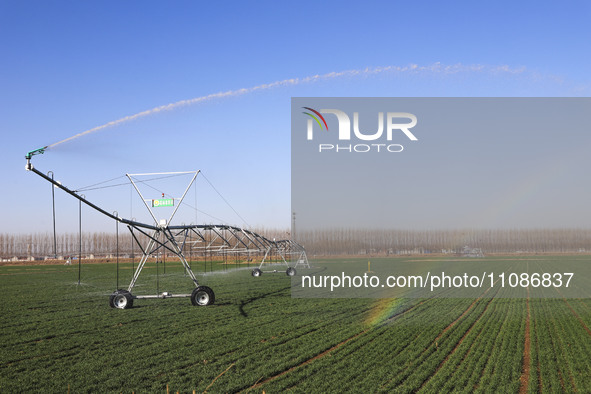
<point x="472" y="252"/>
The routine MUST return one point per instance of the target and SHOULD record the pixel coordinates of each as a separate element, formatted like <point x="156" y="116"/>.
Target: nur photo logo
<point x="390" y="125"/>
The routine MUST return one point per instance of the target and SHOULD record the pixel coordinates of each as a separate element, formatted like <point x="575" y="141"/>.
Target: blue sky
<point x="70" y="66"/>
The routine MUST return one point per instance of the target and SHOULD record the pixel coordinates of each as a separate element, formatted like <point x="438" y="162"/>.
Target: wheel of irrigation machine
<point x="290" y="271"/>
<point x="121" y="299"/>
<point x="256" y="272"/>
<point x="202" y="296"/>
<point x="112" y="297"/>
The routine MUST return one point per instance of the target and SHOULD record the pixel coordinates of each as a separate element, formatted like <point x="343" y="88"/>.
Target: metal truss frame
<point x="212" y="239"/>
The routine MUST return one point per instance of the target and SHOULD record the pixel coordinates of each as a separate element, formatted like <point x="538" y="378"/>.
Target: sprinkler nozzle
<point x="32" y="153"/>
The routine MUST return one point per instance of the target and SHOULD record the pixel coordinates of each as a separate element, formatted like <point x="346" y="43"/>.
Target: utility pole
<point x="293" y="227"/>
<point x="53" y="205"/>
<point x="80" y="236"/>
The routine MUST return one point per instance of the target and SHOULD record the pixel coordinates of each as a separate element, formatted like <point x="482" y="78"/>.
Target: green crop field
<point x="58" y="336"/>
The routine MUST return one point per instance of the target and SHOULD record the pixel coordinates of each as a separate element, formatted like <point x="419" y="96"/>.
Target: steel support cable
<point x="226" y="201"/>
<point x="183" y="203"/>
<point x="145" y="181"/>
<point x="99" y="183"/>
<point x="92" y="187"/>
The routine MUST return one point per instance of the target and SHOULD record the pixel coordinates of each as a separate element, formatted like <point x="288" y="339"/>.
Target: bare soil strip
<point x="526" y="353"/>
<point x="540" y="383"/>
<point x="216" y="378"/>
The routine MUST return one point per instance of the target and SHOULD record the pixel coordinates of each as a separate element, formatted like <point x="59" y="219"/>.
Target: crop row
<point x="56" y="334"/>
<point x="560" y="348"/>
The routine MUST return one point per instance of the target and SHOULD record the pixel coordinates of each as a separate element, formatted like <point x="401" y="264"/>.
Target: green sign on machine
<point x="163" y="202"/>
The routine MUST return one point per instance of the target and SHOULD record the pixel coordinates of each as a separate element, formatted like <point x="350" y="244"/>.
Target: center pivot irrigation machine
<point x="213" y="239"/>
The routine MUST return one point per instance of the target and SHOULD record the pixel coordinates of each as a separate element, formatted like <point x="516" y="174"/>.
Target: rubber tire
<point x="202" y="296"/>
<point x="112" y="297"/>
<point x="256" y="272"/>
<point x="290" y="271"/>
<point x="128" y="299"/>
<point x="122" y="300"/>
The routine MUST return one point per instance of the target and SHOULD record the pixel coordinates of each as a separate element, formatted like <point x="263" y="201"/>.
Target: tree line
<point x="395" y="241"/>
<point x="97" y="244"/>
<point x="325" y="242"/>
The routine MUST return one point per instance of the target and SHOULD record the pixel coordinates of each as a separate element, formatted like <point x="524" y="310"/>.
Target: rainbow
<point x="383" y="309"/>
